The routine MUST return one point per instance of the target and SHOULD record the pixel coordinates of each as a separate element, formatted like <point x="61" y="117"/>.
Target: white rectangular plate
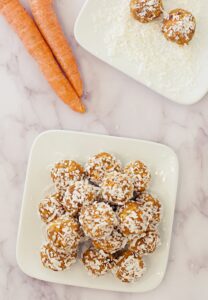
<point x="178" y="73"/>
<point x="54" y="145"/>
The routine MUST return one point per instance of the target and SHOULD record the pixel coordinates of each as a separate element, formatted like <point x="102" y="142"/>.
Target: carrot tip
<point x="82" y="108"/>
<point x="79" y="107"/>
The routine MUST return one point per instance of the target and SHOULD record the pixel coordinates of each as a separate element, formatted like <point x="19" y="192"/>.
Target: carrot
<point x="33" y="41"/>
<point x="50" y="28"/>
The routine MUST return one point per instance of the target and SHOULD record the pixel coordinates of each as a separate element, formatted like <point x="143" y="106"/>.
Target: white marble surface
<point x="116" y="106"/>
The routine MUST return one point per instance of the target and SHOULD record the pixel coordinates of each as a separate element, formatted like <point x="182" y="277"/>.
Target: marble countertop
<point x="118" y="106"/>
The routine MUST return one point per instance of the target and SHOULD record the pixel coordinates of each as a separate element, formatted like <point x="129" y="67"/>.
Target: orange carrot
<point x="50" y="28"/>
<point x="33" y="41"/>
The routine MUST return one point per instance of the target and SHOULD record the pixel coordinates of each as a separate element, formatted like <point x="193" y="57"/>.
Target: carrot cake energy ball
<point x="64" y="172"/>
<point x="139" y="174"/>
<point x="100" y="164"/>
<point x="146" y="244"/>
<point x="153" y="206"/>
<point x="97" y="262"/>
<point x="146" y="10"/>
<point x="78" y="194"/>
<point x="64" y="233"/>
<point x="117" y="188"/>
<point x="111" y="244"/>
<point x="133" y="218"/>
<point x="56" y="260"/>
<point x="51" y="208"/>
<point x="128" y="267"/>
<point x="179" y="26"/>
<point x="98" y="220"/>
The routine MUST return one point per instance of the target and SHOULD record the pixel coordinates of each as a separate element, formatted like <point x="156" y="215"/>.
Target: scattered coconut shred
<point x="161" y="64"/>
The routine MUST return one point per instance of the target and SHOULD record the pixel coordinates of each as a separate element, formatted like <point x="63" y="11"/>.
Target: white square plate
<point x="141" y="51"/>
<point x="54" y="145"/>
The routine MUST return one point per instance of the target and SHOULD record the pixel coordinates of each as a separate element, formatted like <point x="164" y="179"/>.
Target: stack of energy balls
<point x="107" y="206"/>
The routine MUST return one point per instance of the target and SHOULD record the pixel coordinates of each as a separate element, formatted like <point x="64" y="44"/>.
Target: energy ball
<point x="98" y="220"/>
<point x="117" y="188"/>
<point x="139" y="174"/>
<point x="179" y="26"/>
<point x="100" y="164"/>
<point x="111" y="244"/>
<point x="145" y="11"/>
<point x="64" y="172"/>
<point x="153" y="206"/>
<point x="146" y="244"/>
<point x="133" y="219"/>
<point x="96" y="262"/>
<point x="64" y="233"/>
<point x="51" y="208"/>
<point x="56" y="260"/>
<point x="129" y="267"/>
<point x="79" y="194"/>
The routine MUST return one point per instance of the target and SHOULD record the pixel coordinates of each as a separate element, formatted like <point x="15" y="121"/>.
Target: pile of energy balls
<point x="105" y="206"/>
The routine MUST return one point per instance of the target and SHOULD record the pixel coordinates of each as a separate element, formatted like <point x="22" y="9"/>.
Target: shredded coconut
<point x="152" y="206"/>
<point x="146" y="244"/>
<point x="146" y="10"/>
<point x="65" y="172"/>
<point x="78" y="194"/>
<point x="100" y="164"/>
<point x="117" y="188"/>
<point x="115" y="242"/>
<point x="179" y="25"/>
<point x="133" y="218"/>
<point x="128" y="267"/>
<point x="139" y="174"/>
<point x="96" y="262"/>
<point x="98" y="220"/>
<point x="56" y="260"/>
<point x="64" y="233"/>
<point x="51" y="208"/>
